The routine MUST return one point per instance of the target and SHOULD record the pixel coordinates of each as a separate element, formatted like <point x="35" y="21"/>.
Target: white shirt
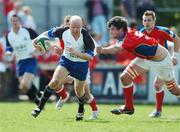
<point x="21" y="43"/>
<point x="78" y="45"/>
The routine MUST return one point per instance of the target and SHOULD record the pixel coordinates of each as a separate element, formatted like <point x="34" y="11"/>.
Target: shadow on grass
<point x="162" y="120"/>
<point x="89" y="121"/>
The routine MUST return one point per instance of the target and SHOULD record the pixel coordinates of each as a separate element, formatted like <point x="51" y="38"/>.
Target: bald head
<point x="76" y="20"/>
<point x="75" y="25"/>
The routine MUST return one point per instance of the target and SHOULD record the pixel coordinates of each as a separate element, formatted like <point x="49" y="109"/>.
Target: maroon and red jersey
<point x="161" y="34"/>
<point x="139" y="44"/>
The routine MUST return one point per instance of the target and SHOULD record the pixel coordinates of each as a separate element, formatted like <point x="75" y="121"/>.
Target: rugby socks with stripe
<point x="81" y="103"/>
<point x="62" y="93"/>
<point x="32" y="94"/>
<point x="159" y="100"/>
<point x="92" y="102"/>
<point x="128" y="94"/>
<point x="47" y="93"/>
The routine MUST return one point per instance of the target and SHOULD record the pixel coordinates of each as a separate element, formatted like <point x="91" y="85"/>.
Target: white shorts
<point x="163" y="69"/>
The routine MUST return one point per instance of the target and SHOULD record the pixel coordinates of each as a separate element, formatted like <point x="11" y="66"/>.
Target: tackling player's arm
<point x="176" y="41"/>
<point x="112" y="49"/>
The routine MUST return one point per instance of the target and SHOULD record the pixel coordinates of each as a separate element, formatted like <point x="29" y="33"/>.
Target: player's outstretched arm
<point x="112" y="49"/>
<point x="176" y="41"/>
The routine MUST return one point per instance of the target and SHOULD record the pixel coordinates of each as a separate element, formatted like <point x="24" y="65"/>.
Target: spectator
<point x="127" y="9"/>
<point x="8" y="87"/>
<point x="18" y="11"/>
<point x="29" y="20"/>
<point x="7" y="7"/>
<point x="97" y="15"/>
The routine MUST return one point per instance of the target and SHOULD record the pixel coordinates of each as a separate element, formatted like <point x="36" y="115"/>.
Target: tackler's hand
<point x="99" y="50"/>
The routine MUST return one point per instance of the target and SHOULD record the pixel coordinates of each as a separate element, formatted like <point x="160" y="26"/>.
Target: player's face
<point x="66" y="23"/>
<point x="148" y="22"/>
<point x="15" y="22"/>
<point x="75" y="28"/>
<point x="114" y="32"/>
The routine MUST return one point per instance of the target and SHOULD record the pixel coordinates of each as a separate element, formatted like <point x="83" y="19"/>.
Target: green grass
<point x="16" y="117"/>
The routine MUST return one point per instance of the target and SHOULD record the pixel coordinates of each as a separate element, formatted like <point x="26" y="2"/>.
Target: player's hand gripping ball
<point x="44" y="43"/>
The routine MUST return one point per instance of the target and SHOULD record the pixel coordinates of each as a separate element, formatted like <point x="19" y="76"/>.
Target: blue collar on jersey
<point x="122" y="38"/>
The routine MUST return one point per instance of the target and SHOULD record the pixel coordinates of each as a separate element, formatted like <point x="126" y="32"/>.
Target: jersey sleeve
<point x="33" y="34"/>
<point x="56" y="32"/>
<point x="8" y="45"/>
<point x="167" y="34"/>
<point x="89" y="44"/>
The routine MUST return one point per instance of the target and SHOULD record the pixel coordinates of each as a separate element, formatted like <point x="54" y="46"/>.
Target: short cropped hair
<point x="15" y="15"/>
<point x="150" y="13"/>
<point x="118" y="22"/>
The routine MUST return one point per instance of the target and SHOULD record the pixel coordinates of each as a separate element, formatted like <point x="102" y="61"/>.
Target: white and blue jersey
<point x="21" y="44"/>
<point x="77" y="67"/>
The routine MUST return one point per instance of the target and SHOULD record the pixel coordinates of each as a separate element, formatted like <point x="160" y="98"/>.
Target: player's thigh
<point x="60" y="84"/>
<point x="68" y="80"/>
<point x="79" y="85"/>
<point x="164" y="69"/>
<point x="60" y="74"/>
<point x="135" y="68"/>
<point x="87" y="89"/>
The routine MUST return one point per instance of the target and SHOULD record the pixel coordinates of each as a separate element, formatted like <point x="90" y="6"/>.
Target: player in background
<point x="150" y="56"/>
<point x="78" y="51"/>
<point x="162" y="34"/>
<point x="64" y="95"/>
<point x="19" y="42"/>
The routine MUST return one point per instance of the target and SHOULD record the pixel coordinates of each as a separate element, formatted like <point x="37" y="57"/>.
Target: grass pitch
<point x="16" y="117"/>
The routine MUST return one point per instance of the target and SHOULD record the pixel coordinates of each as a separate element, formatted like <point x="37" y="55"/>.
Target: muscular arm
<point x="112" y="49"/>
<point x="176" y="41"/>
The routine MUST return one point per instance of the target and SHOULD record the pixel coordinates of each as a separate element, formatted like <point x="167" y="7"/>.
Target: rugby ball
<point x="44" y="42"/>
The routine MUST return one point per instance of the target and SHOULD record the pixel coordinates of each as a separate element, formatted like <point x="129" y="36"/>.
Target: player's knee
<point x="88" y="95"/>
<point x="24" y="87"/>
<point x="157" y="86"/>
<point x="175" y="91"/>
<point x="53" y="84"/>
<point x="79" y="92"/>
<point x="125" y="78"/>
<point x="90" y="98"/>
<point x="69" y="80"/>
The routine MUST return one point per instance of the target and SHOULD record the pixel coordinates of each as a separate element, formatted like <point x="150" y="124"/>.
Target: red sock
<point x="159" y="100"/>
<point x="92" y="102"/>
<point x="62" y="93"/>
<point x="128" y="94"/>
<point x="93" y="105"/>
